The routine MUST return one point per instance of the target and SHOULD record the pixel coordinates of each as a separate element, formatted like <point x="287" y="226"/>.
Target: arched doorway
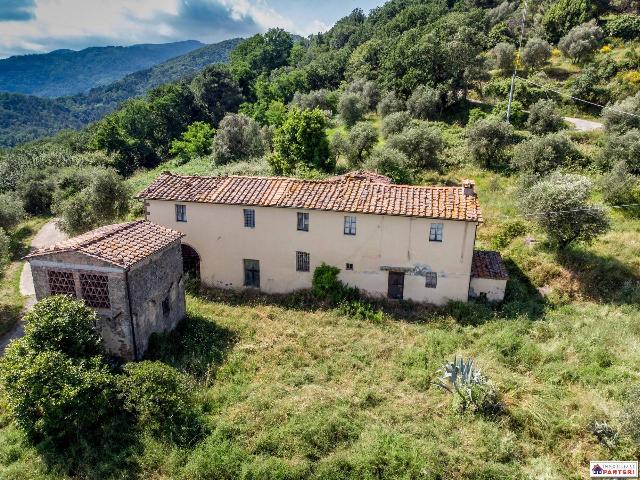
<point x="190" y="261"/>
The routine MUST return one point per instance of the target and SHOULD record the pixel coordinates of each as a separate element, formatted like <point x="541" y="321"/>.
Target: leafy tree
<point x="217" y="92"/>
<point x="388" y="161"/>
<point x="620" y="187"/>
<point x="322" y="99"/>
<point x="562" y="208"/>
<point x="625" y="26"/>
<point x="36" y="190"/>
<point x="195" y="142"/>
<point x="338" y="145"/>
<point x="544" y="118"/>
<point x="500" y="32"/>
<point x="368" y="92"/>
<point x="421" y="143"/>
<point x="563" y="15"/>
<point x="351" y="108"/>
<point x="487" y="139"/>
<point x="5" y="250"/>
<point x="394" y="123"/>
<point x="276" y="113"/>
<point x="424" y="103"/>
<point x="518" y="115"/>
<point x="581" y="41"/>
<point x="11" y="210"/>
<point x="536" y="53"/>
<point x="504" y="54"/>
<point x="624" y="148"/>
<point x="238" y="138"/>
<point x="302" y="140"/>
<point x="361" y="140"/>
<point x="103" y="201"/>
<point x="390" y="103"/>
<point x="541" y="155"/>
<point x="617" y="121"/>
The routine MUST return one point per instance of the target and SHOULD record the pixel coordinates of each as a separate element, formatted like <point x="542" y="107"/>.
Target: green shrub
<point x="623" y="148"/>
<point x="475" y="114"/>
<point x="517" y="117"/>
<point x="503" y="56"/>
<point x="421" y="143"/>
<point x="159" y="396"/>
<point x="625" y="26"/>
<point x="581" y="41"/>
<point x="195" y="142"/>
<point x="11" y="210"/>
<point x="36" y="190"/>
<point x="5" y="252"/>
<point x="389" y="104"/>
<point x="394" y="123"/>
<point x="326" y="284"/>
<point x="541" y="155"/>
<point x="361" y="311"/>
<point x="487" y="139"/>
<point x="498" y="88"/>
<point x="388" y="161"/>
<point x="619" y="187"/>
<point x="618" y="122"/>
<point x="544" y="118"/>
<point x="508" y="232"/>
<point x="536" y="53"/>
<point x="563" y="15"/>
<point x="424" y="103"/>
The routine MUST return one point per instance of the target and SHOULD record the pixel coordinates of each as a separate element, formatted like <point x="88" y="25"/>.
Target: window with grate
<point x="432" y="280"/>
<point x="302" y="261"/>
<point x="61" y="283"/>
<point x="303" y="221"/>
<point x="95" y="290"/>
<point x="435" y="232"/>
<point x="181" y="213"/>
<point x="349" y="225"/>
<point x="249" y="218"/>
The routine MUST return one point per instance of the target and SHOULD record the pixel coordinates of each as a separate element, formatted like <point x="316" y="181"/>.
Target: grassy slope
<point x="311" y="392"/>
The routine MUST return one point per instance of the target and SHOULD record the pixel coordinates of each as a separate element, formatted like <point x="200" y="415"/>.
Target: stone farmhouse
<point x="130" y="273"/>
<point x="270" y="233"/>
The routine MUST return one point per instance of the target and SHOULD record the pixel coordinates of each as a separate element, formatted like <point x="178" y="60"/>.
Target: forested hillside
<point x="25" y="117"/>
<point x="67" y="72"/>
<point x="329" y="383"/>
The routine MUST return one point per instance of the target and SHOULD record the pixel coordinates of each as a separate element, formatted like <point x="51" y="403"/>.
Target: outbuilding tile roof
<point x="488" y="264"/>
<point x="362" y="192"/>
<point x="123" y="244"/>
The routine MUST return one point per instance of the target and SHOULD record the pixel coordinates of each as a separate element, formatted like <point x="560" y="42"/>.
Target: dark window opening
<point x="166" y="306"/>
<point x="431" y="280"/>
<point x="61" y="283"/>
<point x="190" y="262"/>
<point x="249" y="218"/>
<point x="302" y="262"/>
<point x="181" y="213"/>
<point x="95" y="290"/>
<point x="349" y="266"/>
<point x="251" y="273"/>
<point x="303" y="222"/>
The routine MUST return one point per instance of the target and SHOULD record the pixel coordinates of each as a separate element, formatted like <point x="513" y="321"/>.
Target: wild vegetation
<point x="327" y="384"/>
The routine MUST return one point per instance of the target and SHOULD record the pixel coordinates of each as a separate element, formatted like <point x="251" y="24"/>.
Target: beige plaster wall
<point x="218" y="234"/>
<point x="493" y="289"/>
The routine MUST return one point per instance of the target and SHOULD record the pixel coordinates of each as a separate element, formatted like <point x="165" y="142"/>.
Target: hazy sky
<point x="37" y="26"/>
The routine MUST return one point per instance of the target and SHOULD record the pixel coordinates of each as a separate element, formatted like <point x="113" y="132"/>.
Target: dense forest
<point x="329" y="383"/>
<point x="27" y="117"/>
<point x="67" y="72"/>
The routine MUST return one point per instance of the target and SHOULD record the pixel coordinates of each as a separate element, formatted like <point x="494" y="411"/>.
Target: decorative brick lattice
<point x="61" y="283"/>
<point x="95" y="290"/>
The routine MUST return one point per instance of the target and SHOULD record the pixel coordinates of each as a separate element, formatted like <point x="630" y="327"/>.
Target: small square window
<point x="349" y="225"/>
<point x="348" y="266"/>
<point x="431" y="280"/>
<point x="181" y="213"/>
<point x="303" y="221"/>
<point x="249" y="218"/>
<point x="302" y="262"/>
<point x="435" y="232"/>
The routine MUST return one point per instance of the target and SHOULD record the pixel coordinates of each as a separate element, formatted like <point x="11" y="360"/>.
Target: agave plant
<point x="461" y="378"/>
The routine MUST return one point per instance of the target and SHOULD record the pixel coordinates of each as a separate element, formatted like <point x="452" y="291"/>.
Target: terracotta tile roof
<point x="123" y="245"/>
<point x="358" y="193"/>
<point x="488" y="264"/>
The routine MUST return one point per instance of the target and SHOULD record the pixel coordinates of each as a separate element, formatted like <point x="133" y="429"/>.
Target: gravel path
<point x="583" y="125"/>
<point x="49" y="234"/>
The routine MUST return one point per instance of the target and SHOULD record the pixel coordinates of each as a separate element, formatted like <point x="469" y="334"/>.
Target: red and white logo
<point x="610" y="469"/>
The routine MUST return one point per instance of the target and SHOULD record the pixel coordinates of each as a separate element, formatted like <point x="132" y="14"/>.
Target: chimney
<point x="469" y="187"/>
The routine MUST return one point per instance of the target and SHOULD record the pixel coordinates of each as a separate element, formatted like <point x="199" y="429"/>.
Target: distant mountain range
<point x="67" y="72"/>
<point x="27" y="117"/>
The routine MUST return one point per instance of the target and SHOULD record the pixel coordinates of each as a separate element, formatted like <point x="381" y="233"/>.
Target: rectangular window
<point x="349" y="266"/>
<point x="249" y="218"/>
<point x="251" y="273"/>
<point x="349" y="225"/>
<point x="303" y="222"/>
<point x="95" y="290"/>
<point x="181" y="213"/>
<point x="432" y="280"/>
<point x="166" y="306"/>
<point x="435" y="232"/>
<point x="302" y="261"/>
<point x="61" y="283"/>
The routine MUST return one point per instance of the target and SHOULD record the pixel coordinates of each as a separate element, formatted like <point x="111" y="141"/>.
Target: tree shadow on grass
<point x="521" y="298"/>
<point x="602" y="279"/>
<point x="198" y="346"/>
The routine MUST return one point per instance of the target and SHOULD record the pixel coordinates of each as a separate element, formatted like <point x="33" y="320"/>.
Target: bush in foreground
<point x="544" y="118"/>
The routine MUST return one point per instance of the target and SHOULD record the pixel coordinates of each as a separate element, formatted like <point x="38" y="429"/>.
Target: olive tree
<point x="615" y="118"/>
<point x="544" y="118"/>
<point x="619" y="186"/>
<point x="581" y="41"/>
<point x="368" y="92"/>
<point x="238" y="138"/>
<point x="11" y="210"/>
<point x="351" y="108"/>
<point x="390" y="103"/>
<point x="421" y="143"/>
<point x="504" y="54"/>
<point x="361" y="140"/>
<point x="388" y="161"/>
<point x="487" y="139"/>
<point x="624" y="148"/>
<point x="560" y="205"/>
<point x="424" y="103"/>
<point x="394" y="123"/>
<point x="315" y="99"/>
<point x="536" y="53"/>
<point x="541" y="155"/>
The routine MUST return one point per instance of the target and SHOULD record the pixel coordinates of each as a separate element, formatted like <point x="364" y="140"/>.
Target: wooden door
<point x="396" y="285"/>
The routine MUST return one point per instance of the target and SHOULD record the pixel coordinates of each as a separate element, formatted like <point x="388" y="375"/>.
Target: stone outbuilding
<point x="488" y="276"/>
<point x="130" y="273"/>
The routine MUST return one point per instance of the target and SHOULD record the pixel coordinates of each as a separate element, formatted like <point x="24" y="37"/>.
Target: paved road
<point x="583" y="125"/>
<point x="49" y="234"/>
